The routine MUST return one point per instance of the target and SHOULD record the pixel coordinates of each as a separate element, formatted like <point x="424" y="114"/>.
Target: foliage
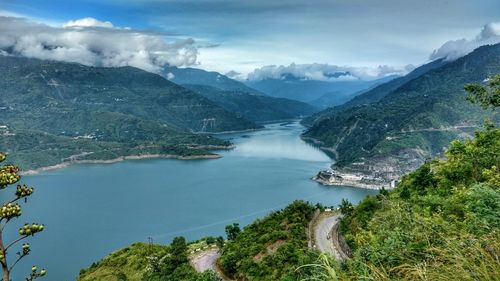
<point x="9" y="175"/>
<point x="271" y="248"/>
<point x="442" y="222"/>
<point x="232" y="231"/>
<point x="346" y="207"/>
<point x="147" y="262"/>
<point x="486" y="96"/>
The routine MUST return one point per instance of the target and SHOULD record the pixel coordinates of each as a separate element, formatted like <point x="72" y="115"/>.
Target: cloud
<point x="96" y="43"/>
<point x="233" y="74"/>
<point x="170" y="76"/>
<point x="326" y="72"/>
<point x="87" y="22"/>
<point x="453" y="49"/>
<point x="209" y="45"/>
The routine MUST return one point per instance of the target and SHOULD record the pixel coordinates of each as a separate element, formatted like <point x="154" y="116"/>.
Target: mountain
<point x="110" y="112"/>
<point x="376" y="92"/>
<point x="257" y="108"/>
<point x="413" y="122"/>
<point x="214" y="79"/>
<point x="314" y="92"/>
<point x="237" y="97"/>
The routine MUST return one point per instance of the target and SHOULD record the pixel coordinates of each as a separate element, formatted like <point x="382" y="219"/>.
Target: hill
<point x="254" y="107"/>
<point x="271" y="248"/>
<point x="415" y="121"/>
<point x="54" y="87"/>
<point x="442" y="222"/>
<point x="78" y="112"/>
<point x="142" y="262"/>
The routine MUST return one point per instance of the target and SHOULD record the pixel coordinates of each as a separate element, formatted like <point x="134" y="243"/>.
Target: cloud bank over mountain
<point x="96" y="43"/>
<point x="453" y="49"/>
<point x="326" y="72"/>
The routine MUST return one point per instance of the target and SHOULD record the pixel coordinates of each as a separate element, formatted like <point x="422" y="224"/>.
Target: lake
<point x="91" y="210"/>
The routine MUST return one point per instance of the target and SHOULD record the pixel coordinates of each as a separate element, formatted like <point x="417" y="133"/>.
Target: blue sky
<point x="244" y="35"/>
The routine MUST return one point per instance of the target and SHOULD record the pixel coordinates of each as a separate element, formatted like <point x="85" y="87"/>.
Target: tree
<point x="9" y="175"/>
<point x="346" y="207"/>
<point x="488" y="95"/>
<point x="178" y="252"/>
<point x="232" y="231"/>
<point x="219" y="242"/>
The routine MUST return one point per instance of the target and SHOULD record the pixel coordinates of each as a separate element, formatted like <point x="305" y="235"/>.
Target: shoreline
<point x="117" y="160"/>
<point x="354" y="184"/>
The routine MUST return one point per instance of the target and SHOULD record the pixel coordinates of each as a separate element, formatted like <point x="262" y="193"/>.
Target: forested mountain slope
<point x="49" y="88"/>
<point x="237" y="97"/>
<point x="415" y="121"/>
<point x="376" y="93"/>
<point x="80" y="112"/>
<point x="257" y="108"/>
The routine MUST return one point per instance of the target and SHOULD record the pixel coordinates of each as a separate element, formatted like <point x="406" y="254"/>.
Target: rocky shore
<point x="119" y="159"/>
<point x="336" y="178"/>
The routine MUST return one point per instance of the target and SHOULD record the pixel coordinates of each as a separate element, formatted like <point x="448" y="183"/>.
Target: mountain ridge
<point x="416" y="121"/>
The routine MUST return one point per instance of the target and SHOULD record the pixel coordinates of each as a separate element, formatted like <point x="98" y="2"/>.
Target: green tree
<point x="346" y="207"/>
<point x="219" y="242"/>
<point x="486" y="96"/>
<point x="232" y="231"/>
<point x="9" y="175"/>
<point x="178" y="252"/>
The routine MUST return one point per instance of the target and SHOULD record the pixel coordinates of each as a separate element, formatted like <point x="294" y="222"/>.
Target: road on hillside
<point x="207" y="260"/>
<point x="322" y="235"/>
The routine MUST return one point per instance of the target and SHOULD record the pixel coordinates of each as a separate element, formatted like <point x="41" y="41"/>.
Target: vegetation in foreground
<point x="11" y="209"/>
<point x="442" y="222"/>
<point x="271" y="248"/>
<point x="149" y="262"/>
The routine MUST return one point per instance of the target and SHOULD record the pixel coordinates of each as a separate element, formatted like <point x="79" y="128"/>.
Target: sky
<point x="377" y="37"/>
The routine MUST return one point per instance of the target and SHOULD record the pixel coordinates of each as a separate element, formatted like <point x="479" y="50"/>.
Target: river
<point x="91" y="210"/>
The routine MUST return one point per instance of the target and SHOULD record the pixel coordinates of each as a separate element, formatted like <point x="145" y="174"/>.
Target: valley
<point x="249" y="140"/>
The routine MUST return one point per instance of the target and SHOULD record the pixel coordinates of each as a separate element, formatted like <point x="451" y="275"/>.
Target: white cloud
<point x="170" y="76"/>
<point x="92" y="42"/>
<point x="88" y="22"/>
<point x="453" y="49"/>
<point x="327" y="72"/>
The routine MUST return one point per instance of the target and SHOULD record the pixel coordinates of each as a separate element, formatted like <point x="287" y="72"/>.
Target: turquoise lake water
<point x="92" y="210"/>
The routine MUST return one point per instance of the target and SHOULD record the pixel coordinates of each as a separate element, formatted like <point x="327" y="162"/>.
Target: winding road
<point x="323" y="233"/>
<point x="207" y="260"/>
<point x="325" y="240"/>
